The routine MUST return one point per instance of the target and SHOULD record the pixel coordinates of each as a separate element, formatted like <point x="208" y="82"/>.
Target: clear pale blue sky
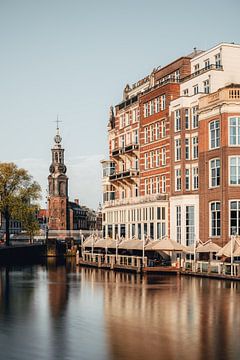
<point x="74" y="57"/>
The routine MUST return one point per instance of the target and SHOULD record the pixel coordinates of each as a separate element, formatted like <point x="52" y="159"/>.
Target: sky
<point x="72" y="59"/>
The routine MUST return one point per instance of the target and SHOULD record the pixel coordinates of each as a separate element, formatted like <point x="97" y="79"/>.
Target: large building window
<point x="177" y="118"/>
<point x="146" y="161"/>
<point x="234" y="131"/>
<point x="157" y="104"/>
<point x="157" y="131"/>
<point x="206" y="86"/>
<point x="163" y="123"/>
<point x="151" y="159"/>
<point x="187" y="179"/>
<point x="195" y="147"/>
<point x="152" y="133"/>
<point x="214" y="134"/>
<point x="218" y="60"/>
<point x="164" y="184"/>
<point x="187" y="123"/>
<point x="194" y="117"/>
<point x="178" y="223"/>
<point x="215" y="219"/>
<point x="163" y="156"/>
<point x="235" y="217"/>
<point x="163" y="102"/>
<point x="145" y="135"/>
<point x="214" y="172"/>
<point x="187" y="148"/>
<point x="161" y="222"/>
<point x="195" y="177"/>
<point x="145" y="110"/>
<point x="151" y="107"/>
<point x="177" y="149"/>
<point x="190" y="225"/>
<point x="234" y="170"/>
<point x="178" y="184"/>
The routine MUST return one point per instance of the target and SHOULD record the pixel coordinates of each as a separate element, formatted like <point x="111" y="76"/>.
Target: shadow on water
<point x="55" y="310"/>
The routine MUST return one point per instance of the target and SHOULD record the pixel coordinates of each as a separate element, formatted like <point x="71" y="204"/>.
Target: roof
<point x="208" y="248"/>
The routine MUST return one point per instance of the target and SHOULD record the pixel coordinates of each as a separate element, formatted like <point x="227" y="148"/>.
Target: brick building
<point x="153" y="181"/>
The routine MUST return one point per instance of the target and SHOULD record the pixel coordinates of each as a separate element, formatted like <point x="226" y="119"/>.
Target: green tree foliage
<point x="18" y="192"/>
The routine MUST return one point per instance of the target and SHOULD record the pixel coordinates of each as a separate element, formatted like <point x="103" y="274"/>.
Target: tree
<point x="28" y="217"/>
<point x="17" y="193"/>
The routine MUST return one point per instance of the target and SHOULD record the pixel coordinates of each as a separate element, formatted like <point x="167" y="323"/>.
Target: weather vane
<point x="57" y="121"/>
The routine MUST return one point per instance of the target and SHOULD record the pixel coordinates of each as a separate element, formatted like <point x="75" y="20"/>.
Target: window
<point x="187" y="179"/>
<point x="146" y="187"/>
<point x="151" y="107"/>
<point x="214" y="172"/>
<point x="195" y="89"/>
<point x="195" y="177"/>
<point x="178" y="223"/>
<point x="161" y="225"/>
<point x="215" y="218"/>
<point x="145" y="135"/>
<point x="190" y="225"/>
<point x="196" y="68"/>
<point x="157" y="185"/>
<point x="234" y="170"/>
<point x="145" y="110"/>
<point x="157" y="158"/>
<point x="177" y="149"/>
<point x="135" y="137"/>
<point x="122" y="141"/>
<point x="235" y="217"/>
<point x="163" y="102"/>
<point x="207" y="64"/>
<point x="122" y="121"/>
<point x="214" y="128"/>
<point x="187" y="149"/>
<point x="157" y="105"/>
<point x="151" y="185"/>
<point x="187" y="124"/>
<point x="146" y="161"/>
<point x="177" y="75"/>
<point x="177" y="179"/>
<point x="163" y="184"/>
<point x="151" y="159"/>
<point x="194" y="117"/>
<point x="136" y="190"/>
<point x="206" y="87"/>
<point x="134" y="115"/>
<point x="185" y="92"/>
<point x="163" y="128"/>
<point x="195" y="147"/>
<point x="127" y="119"/>
<point x="152" y="133"/>
<point x="234" y="131"/>
<point x="163" y="156"/>
<point x="218" y="60"/>
<point x="157" y="131"/>
<point x="136" y="163"/>
<point x="177" y="120"/>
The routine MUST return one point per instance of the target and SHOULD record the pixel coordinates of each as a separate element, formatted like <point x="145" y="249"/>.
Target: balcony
<point x="130" y="148"/>
<point x="127" y="174"/>
<point x="126" y="149"/>
<point x="117" y="152"/>
<point x="202" y="71"/>
<point x="136" y="200"/>
<point x="230" y="93"/>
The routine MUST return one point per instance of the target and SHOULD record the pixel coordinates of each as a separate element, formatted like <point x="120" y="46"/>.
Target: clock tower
<point x="58" y="188"/>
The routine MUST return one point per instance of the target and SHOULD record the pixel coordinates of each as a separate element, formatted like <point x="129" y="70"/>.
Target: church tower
<point x="58" y="188"/>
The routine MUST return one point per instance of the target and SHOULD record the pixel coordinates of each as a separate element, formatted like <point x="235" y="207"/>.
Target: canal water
<point x="57" y="311"/>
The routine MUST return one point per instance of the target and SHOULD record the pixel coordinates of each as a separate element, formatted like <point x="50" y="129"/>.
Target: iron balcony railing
<point x="136" y="200"/>
<point x="126" y="149"/>
<point x="124" y="174"/>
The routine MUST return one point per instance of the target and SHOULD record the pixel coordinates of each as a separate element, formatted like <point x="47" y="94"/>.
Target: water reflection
<point x="57" y="311"/>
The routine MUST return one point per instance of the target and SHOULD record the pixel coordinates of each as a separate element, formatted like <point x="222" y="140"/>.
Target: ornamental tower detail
<point x="58" y="188"/>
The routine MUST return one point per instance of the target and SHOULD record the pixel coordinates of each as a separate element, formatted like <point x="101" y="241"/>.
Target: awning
<point x="226" y="250"/>
<point x="105" y="243"/>
<point x="168" y="245"/>
<point x="208" y="248"/>
<point x="131" y="245"/>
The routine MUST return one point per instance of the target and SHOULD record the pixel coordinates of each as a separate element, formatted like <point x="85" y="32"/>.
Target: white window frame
<point x="210" y="219"/>
<point x="195" y="147"/>
<point x="178" y="149"/>
<point x="195" y="183"/>
<point x="178" y="179"/>
<point x="214" y="131"/>
<point x="177" y="120"/>
<point x="211" y="178"/>
<point x="237" y="131"/>
<point x="237" y="157"/>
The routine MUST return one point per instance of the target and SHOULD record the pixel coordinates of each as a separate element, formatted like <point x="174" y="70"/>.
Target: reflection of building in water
<point x="57" y="288"/>
<point x="164" y="317"/>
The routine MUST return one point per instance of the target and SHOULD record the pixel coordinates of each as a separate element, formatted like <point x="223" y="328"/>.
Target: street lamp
<point x="233" y="239"/>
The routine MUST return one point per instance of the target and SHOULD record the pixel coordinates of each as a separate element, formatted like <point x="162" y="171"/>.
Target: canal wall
<point x="22" y="254"/>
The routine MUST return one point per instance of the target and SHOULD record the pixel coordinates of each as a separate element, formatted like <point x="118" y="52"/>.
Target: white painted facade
<point x="183" y="202"/>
